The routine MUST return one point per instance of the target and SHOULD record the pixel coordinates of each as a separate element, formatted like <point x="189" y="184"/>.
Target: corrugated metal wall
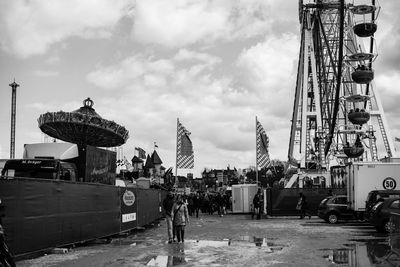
<point x="41" y="214"/>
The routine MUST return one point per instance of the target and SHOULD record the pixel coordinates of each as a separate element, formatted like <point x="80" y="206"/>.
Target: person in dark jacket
<point x="168" y="203"/>
<point x="257" y="203"/>
<point x="302" y="206"/>
<point x="196" y="204"/>
<point x="180" y="217"/>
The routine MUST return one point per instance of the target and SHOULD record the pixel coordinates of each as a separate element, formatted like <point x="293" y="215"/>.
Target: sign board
<point x="129" y="217"/>
<point x="389" y="183"/>
<point x="128" y="198"/>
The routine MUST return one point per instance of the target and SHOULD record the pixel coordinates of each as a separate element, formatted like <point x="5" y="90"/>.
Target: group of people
<point x="208" y="203"/>
<point x="178" y="208"/>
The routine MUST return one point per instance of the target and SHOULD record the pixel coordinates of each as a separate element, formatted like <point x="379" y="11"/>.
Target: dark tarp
<point x="283" y="201"/>
<point x="41" y="214"/>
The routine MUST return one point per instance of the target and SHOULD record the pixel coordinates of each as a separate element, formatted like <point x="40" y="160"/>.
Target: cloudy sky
<point x="213" y="64"/>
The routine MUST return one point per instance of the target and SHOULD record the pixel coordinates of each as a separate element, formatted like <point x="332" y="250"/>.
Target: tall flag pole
<point x="176" y="159"/>
<point x="184" y="149"/>
<point x="262" y="148"/>
<point x="256" y="152"/>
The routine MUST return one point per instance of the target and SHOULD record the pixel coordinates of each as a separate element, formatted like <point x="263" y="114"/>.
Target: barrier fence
<point x="42" y="214"/>
<point x="282" y="202"/>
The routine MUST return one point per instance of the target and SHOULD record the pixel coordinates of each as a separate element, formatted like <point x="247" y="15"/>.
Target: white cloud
<point x="180" y="23"/>
<point x="192" y="56"/>
<point x="219" y="109"/>
<point x="45" y="73"/>
<point x="268" y="68"/>
<point x="31" y="27"/>
<point x="131" y="71"/>
<point x="53" y="60"/>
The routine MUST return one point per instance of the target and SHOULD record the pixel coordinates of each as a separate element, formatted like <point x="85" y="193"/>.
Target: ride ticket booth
<point x="242" y="197"/>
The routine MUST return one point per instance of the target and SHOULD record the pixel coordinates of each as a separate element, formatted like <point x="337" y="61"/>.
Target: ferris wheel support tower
<point x="337" y="115"/>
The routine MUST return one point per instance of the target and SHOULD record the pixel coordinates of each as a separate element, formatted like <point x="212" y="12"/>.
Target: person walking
<point x="180" y="217"/>
<point x="220" y="204"/>
<point x="257" y="203"/>
<point x="302" y="206"/>
<point x="168" y="203"/>
<point x="196" y="204"/>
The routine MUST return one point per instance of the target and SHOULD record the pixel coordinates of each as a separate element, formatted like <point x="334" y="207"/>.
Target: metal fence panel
<point x="282" y="202"/>
<point x="148" y="206"/>
<point x="40" y="214"/>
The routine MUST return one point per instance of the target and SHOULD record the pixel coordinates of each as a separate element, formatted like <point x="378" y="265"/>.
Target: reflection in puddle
<point x="374" y="252"/>
<point x="244" y="243"/>
<point x="126" y="242"/>
<point x="208" y="252"/>
<point x="258" y="241"/>
<point x="165" y="261"/>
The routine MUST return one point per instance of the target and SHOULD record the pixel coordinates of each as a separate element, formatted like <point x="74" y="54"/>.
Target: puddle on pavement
<point x="372" y="252"/>
<point x="206" y="252"/>
<point x="127" y="242"/>
<point x="164" y="261"/>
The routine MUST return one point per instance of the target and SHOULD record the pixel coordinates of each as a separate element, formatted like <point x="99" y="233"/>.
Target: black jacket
<point x="167" y="205"/>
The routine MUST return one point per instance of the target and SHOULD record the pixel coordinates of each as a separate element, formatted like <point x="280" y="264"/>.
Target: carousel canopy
<point x="83" y="127"/>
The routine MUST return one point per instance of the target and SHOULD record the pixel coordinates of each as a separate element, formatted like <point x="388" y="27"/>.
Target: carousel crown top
<point x="83" y="127"/>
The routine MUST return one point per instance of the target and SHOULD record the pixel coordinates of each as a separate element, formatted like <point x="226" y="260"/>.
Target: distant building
<point x="153" y="168"/>
<point x="219" y="178"/>
<point x="138" y="170"/>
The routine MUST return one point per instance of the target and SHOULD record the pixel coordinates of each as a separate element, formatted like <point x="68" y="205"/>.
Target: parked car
<point x="381" y="213"/>
<point x="395" y="220"/>
<point x="378" y="195"/>
<point x="335" y="208"/>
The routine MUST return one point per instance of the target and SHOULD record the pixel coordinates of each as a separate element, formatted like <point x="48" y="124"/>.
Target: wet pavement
<point x="236" y="240"/>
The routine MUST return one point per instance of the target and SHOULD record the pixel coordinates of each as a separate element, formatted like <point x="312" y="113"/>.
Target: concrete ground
<point x="237" y="240"/>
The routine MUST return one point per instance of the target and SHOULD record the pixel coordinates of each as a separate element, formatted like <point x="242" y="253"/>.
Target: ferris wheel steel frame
<point x="326" y="93"/>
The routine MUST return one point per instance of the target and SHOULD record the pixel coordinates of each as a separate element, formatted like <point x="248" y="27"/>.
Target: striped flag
<point x="141" y="152"/>
<point x="262" y="142"/>
<point x="184" y="149"/>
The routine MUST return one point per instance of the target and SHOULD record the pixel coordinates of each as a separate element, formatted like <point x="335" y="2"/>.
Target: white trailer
<point x="363" y="177"/>
<point x="242" y="197"/>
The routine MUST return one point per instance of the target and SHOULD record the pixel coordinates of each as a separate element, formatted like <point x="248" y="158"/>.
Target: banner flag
<point x="184" y="149"/>
<point x="141" y="153"/>
<point x="262" y="147"/>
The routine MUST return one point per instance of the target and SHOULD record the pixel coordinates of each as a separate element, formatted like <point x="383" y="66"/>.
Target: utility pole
<point x="14" y="86"/>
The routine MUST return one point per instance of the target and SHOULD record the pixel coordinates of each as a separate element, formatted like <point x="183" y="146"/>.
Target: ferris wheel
<point x="337" y="114"/>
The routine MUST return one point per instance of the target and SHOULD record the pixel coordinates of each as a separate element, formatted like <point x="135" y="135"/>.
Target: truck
<point x="64" y="161"/>
<point x="364" y="177"/>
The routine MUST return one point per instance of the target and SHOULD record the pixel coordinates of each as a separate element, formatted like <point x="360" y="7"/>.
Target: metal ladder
<point x="321" y="147"/>
<point x="384" y="136"/>
<point x="308" y="145"/>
